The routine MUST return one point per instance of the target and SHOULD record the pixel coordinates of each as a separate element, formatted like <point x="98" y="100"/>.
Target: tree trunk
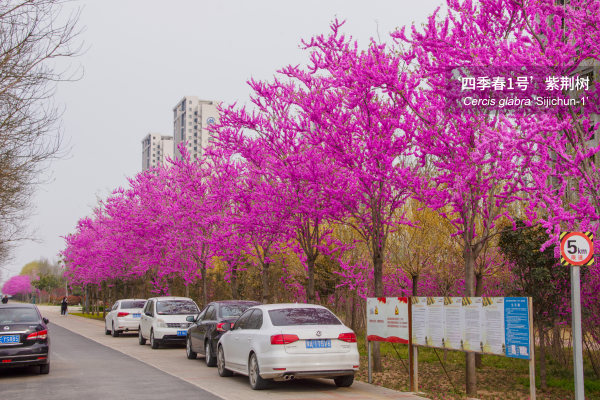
<point x="415" y="285"/>
<point x="234" y="283"/>
<point x="310" y="283"/>
<point x="86" y="300"/>
<point x="266" y="293"/>
<point x="354" y="322"/>
<point x="204" y="285"/>
<point x="104" y="289"/>
<point x="198" y="294"/>
<point x="348" y="309"/>
<point x="542" y="357"/>
<point x="378" y="278"/>
<point x="471" y="372"/>
<point x="478" y="292"/>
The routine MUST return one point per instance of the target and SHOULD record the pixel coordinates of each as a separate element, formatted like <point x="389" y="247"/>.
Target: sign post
<point x="577" y="249"/>
<point x="532" y="394"/>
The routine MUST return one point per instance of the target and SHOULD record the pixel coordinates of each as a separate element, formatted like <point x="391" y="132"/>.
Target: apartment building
<point x="156" y="149"/>
<point x="191" y="117"/>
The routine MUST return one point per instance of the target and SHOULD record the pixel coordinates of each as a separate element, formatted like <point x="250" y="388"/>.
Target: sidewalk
<point x="174" y="362"/>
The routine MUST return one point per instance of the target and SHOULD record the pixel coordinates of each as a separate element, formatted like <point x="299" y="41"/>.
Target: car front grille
<point x="178" y="325"/>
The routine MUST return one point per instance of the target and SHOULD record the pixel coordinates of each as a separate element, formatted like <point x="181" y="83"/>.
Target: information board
<point x="387" y="319"/>
<point x="435" y="321"/>
<point x="494" y="341"/>
<point x="453" y="327"/>
<point x="516" y="322"/>
<point x="492" y="325"/>
<point x="420" y="319"/>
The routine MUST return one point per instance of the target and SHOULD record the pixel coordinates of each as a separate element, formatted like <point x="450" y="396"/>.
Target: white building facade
<point x="156" y="149"/>
<point x="191" y="117"/>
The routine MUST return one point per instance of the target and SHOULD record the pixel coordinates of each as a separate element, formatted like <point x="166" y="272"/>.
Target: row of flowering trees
<point x="333" y="164"/>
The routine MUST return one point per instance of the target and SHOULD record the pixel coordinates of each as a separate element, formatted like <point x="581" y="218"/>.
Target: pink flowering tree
<point x="354" y="99"/>
<point x="20" y="284"/>
<point x="272" y="139"/>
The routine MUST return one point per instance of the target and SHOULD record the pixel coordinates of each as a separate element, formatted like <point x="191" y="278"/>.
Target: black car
<point x="24" y="337"/>
<point x="208" y="326"/>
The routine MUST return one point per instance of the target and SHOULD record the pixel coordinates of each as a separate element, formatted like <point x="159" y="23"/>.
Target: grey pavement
<point x="82" y="368"/>
<point x="172" y="361"/>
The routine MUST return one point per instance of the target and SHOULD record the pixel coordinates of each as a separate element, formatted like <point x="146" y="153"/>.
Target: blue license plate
<point x="137" y="315"/>
<point x="318" y="343"/>
<point x="10" y="339"/>
<point x="181" y="333"/>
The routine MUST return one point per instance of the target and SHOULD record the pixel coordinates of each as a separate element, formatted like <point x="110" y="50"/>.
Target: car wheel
<point x="106" y="331"/>
<point x="210" y="360"/>
<point x="45" y="368"/>
<point x="115" y="333"/>
<point x="221" y="363"/>
<point x="141" y="339"/>
<point x="256" y="382"/>
<point x="344" y="381"/>
<point x="153" y="342"/>
<point x="188" y="349"/>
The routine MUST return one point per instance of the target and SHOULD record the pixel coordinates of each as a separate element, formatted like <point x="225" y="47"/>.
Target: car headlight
<point x="160" y="323"/>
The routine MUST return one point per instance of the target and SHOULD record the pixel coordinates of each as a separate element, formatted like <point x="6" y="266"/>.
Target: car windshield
<point x="303" y="316"/>
<point x="18" y="316"/>
<point x="176" y="307"/>
<point x="133" y="304"/>
<point x="233" y="310"/>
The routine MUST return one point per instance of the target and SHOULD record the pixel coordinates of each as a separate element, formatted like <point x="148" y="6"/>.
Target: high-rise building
<point x="191" y="117"/>
<point x="156" y="148"/>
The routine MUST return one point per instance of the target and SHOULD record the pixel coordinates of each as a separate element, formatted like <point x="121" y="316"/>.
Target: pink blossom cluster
<point x="19" y="284"/>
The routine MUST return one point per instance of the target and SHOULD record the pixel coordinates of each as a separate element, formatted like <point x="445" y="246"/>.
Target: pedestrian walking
<point x="63" y="306"/>
<point x="5" y="299"/>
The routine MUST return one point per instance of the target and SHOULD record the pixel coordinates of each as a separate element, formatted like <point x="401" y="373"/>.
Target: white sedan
<point x="288" y="341"/>
<point x="124" y="316"/>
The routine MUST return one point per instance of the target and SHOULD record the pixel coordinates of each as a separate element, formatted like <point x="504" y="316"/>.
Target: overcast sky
<point x="143" y="56"/>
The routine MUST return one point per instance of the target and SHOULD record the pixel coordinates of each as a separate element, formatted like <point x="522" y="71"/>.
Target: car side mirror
<point x="190" y="318"/>
<point x="46" y="320"/>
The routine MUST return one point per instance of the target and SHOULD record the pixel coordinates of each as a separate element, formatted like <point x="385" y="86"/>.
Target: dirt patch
<point x="493" y="383"/>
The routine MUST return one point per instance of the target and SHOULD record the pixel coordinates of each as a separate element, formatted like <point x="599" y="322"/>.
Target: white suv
<point x="164" y="320"/>
<point x="124" y="316"/>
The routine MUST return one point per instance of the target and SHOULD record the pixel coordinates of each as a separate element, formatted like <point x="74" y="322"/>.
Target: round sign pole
<point x="577" y="340"/>
<point x="576" y="249"/>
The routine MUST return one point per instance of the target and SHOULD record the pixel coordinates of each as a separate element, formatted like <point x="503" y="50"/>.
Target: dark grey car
<point x="24" y="337"/>
<point x="207" y="328"/>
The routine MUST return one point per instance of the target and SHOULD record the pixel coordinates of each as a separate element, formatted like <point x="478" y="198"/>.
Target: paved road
<point x="81" y="368"/>
<point x="172" y="361"/>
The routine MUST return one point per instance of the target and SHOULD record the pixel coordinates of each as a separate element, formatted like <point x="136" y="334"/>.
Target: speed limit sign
<point x="576" y="248"/>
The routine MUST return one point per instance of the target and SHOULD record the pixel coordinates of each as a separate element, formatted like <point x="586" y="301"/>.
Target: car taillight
<point x="349" y="337"/>
<point x="283" y="339"/>
<point x="38" y="335"/>
<point x="220" y="326"/>
<point x="122" y="314"/>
